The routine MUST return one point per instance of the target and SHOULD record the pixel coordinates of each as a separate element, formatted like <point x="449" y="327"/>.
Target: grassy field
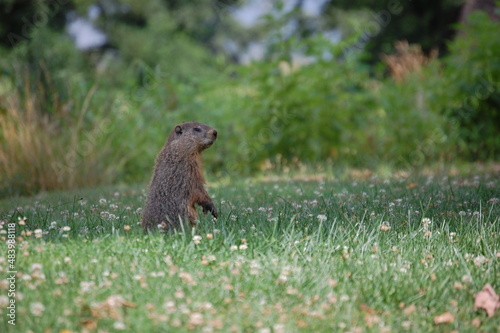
<point x="355" y="254"/>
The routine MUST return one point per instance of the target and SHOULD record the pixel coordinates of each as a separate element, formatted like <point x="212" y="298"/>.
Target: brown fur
<point x="177" y="182"/>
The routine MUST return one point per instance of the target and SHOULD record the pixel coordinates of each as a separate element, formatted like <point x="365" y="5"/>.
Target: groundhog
<point x="178" y="183"/>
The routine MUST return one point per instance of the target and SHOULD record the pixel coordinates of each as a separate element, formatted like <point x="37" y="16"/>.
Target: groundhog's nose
<point x="215" y="134"/>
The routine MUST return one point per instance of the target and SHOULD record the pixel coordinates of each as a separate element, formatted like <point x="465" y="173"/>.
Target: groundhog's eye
<point x="197" y="129"/>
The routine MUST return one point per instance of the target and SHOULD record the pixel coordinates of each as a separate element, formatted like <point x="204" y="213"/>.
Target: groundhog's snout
<point x="212" y="135"/>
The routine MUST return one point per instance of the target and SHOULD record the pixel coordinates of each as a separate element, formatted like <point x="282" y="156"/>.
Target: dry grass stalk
<point x="37" y="152"/>
<point x="407" y="59"/>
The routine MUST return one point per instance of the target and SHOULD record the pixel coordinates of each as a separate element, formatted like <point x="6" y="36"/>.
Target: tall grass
<point x="48" y="143"/>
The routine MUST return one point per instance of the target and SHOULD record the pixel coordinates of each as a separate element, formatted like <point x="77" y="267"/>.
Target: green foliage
<point x="309" y="112"/>
<point x="409" y="127"/>
<point x="473" y="94"/>
<point x="331" y="110"/>
<point x="159" y="44"/>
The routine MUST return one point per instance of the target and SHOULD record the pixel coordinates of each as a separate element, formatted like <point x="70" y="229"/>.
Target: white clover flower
<point x="119" y="325"/>
<point x="197" y="239"/>
<point x="282" y="279"/>
<point x="36" y="267"/>
<point x="426" y="222"/>
<point x="86" y="287"/>
<point x="322" y="218"/>
<point x="4" y="301"/>
<point x="169" y="307"/>
<point x="38" y="233"/>
<point x="479" y="260"/>
<point x="195" y="319"/>
<point x="385" y="226"/>
<point x="37" y="309"/>
<point x="467" y="279"/>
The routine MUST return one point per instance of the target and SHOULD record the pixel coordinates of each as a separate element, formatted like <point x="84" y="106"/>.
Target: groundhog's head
<point x="200" y="136"/>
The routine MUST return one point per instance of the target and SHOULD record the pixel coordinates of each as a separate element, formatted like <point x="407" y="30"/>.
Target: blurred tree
<point x="200" y="20"/>
<point x="19" y="18"/>
<point x="429" y="24"/>
<point x="180" y="38"/>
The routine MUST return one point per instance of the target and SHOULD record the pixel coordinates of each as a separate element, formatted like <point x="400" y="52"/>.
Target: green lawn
<point x="334" y="255"/>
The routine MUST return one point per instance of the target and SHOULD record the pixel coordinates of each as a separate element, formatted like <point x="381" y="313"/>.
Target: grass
<point x="372" y="255"/>
<point x="38" y="151"/>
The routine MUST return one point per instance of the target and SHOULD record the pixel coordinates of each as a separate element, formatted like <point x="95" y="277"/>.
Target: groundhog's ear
<point x="178" y="129"/>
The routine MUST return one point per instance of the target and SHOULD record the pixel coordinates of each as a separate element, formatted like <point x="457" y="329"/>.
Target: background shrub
<point x="472" y="73"/>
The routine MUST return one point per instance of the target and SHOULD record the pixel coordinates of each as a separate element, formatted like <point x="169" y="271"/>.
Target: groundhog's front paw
<point x="214" y="212"/>
<point x="210" y="207"/>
